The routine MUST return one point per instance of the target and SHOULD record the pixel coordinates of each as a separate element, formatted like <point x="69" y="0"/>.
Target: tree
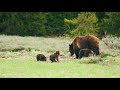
<point x="34" y="23"/>
<point x="84" y="24"/>
<point x="100" y="16"/>
<point x="111" y="24"/>
<point x="55" y="22"/>
<point x="23" y="23"/>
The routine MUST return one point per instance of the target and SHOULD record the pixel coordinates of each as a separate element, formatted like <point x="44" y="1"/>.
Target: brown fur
<point x="85" y="53"/>
<point x="54" y="57"/>
<point x="81" y="42"/>
<point x="41" y="57"/>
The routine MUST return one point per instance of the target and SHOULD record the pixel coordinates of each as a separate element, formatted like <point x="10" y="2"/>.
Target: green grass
<point x="18" y="59"/>
<point x="66" y="69"/>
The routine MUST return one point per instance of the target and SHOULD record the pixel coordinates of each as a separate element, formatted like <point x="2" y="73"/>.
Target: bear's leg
<point x="77" y="53"/>
<point x="81" y="54"/>
<point x="96" y="50"/>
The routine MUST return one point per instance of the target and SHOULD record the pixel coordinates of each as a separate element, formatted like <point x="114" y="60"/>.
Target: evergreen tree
<point x="100" y="16"/>
<point x="23" y="23"/>
<point x="55" y="22"/>
<point x="112" y="23"/>
<point x="84" y="24"/>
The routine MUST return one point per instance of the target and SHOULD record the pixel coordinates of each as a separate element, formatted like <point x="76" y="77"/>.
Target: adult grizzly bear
<point x="41" y="57"/>
<point x="85" y="53"/>
<point x="82" y="42"/>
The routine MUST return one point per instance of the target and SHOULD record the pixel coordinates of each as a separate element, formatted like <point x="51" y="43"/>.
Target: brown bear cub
<point x="85" y="53"/>
<point x="54" y="57"/>
<point x="41" y="57"/>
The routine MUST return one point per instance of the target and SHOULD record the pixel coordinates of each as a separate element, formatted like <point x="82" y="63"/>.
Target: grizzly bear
<point x="85" y="53"/>
<point x="54" y="57"/>
<point x="41" y="57"/>
<point x="80" y="42"/>
<point x="101" y="34"/>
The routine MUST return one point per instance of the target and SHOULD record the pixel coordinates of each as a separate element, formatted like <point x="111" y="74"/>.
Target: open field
<point x="18" y="58"/>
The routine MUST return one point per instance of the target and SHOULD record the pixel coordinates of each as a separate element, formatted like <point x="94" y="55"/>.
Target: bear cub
<point x="85" y="53"/>
<point x="41" y="57"/>
<point x="54" y="57"/>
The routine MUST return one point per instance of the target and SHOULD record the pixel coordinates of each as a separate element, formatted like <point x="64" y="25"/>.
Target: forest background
<point x="59" y="23"/>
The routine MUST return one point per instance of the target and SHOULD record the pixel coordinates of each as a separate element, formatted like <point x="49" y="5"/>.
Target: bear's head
<point x="58" y="53"/>
<point x="71" y="50"/>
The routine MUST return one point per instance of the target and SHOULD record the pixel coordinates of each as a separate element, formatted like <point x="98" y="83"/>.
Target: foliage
<point x="84" y="24"/>
<point x="59" y="23"/>
<point x="33" y="23"/>
<point x="100" y="16"/>
<point x="111" y="23"/>
<point x="55" y="22"/>
<point x="22" y="23"/>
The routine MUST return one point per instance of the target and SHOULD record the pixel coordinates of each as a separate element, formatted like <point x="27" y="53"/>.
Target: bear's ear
<point x="69" y="44"/>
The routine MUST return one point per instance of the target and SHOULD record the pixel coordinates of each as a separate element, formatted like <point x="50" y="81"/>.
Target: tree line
<point x="59" y="23"/>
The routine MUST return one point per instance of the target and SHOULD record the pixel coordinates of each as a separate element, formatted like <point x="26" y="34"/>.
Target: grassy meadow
<point x="18" y="58"/>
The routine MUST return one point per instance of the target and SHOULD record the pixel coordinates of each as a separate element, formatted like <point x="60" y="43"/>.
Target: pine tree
<point x="84" y="24"/>
<point x="23" y="23"/>
<point x="111" y="24"/>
